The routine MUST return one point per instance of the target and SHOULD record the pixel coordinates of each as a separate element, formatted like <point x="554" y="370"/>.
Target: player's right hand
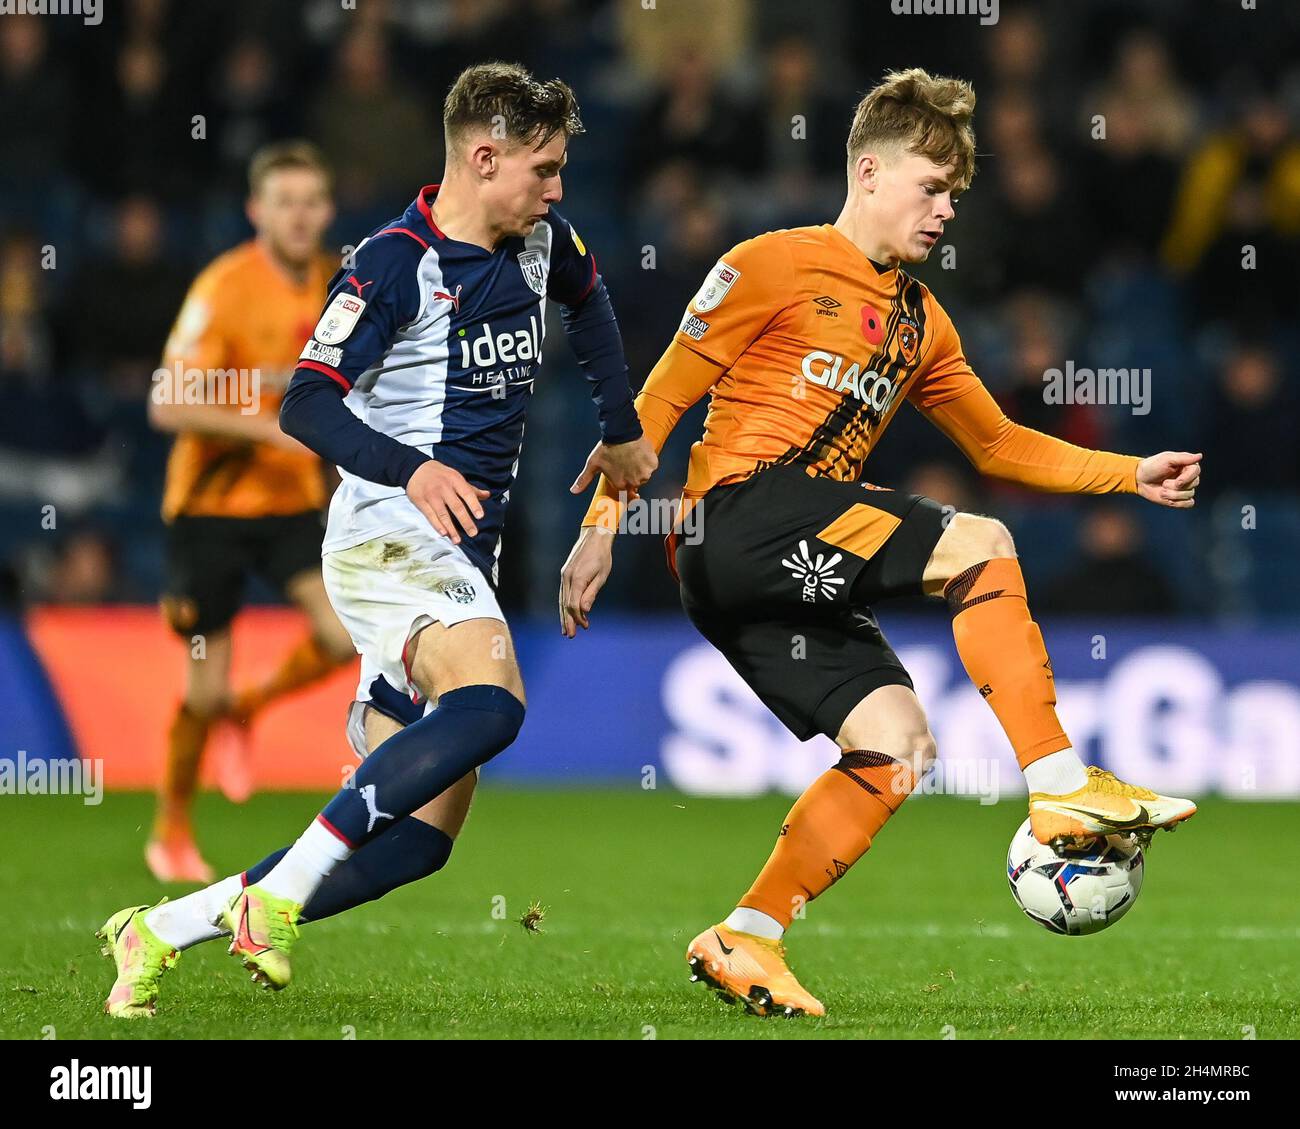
<point x="583" y="576"/>
<point x="449" y="502"/>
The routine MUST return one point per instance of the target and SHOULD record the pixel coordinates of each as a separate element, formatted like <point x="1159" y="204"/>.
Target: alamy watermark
<point x="181" y="385"/>
<point x="42" y="777"/>
<point x="1131" y="386"/>
<point x="84" y="1082"/>
<point x="655" y="516"/>
<point x="987" y="10"/>
<point x="90" y="11"/>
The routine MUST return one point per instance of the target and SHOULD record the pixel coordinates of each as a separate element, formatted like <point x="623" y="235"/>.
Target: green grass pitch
<point x="921" y="940"/>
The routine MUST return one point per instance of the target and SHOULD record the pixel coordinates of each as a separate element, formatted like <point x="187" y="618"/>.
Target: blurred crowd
<point x="1137" y="205"/>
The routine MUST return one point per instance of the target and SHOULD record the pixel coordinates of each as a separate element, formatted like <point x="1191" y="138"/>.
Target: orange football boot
<point x="741" y="966"/>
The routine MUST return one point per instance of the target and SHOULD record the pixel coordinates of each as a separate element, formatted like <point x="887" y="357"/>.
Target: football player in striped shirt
<point x="416" y="383"/>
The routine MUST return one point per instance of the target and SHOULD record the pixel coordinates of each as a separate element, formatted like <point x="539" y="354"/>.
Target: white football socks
<point x="1056" y="773"/>
<point x="756" y="922"/>
<point x="194" y="918"/>
<point x="306" y="864"/>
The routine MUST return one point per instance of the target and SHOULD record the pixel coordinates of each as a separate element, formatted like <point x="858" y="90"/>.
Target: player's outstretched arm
<point x="949" y="394"/>
<point x="1008" y="451"/>
<point x="1170" y="479"/>
<point x="680" y="379"/>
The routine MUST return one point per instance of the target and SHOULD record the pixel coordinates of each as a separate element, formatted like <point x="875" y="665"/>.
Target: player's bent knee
<point x="987" y="538"/>
<point x="499" y="713"/>
<point x="971" y="540"/>
<point x="207" y="705"/>
<point x="926" y="753"/>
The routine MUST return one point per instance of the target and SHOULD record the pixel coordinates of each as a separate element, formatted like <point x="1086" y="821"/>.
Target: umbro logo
<point x="827" y="306"/>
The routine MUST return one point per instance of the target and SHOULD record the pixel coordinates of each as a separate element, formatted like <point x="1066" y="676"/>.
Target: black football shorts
<point x="781" y="579"/>
<point x="209" y="560"/>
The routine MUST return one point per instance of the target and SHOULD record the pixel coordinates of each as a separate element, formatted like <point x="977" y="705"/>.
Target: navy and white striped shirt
<point x="436" y="344"/>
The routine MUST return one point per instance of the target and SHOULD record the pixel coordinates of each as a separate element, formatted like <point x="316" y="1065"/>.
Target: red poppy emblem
<point x="873" y="328"/>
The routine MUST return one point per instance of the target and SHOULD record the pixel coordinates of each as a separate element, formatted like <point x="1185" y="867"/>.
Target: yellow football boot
<point x="1104" y="806"/>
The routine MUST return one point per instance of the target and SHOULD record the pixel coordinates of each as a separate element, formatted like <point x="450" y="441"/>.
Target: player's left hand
<point x="583" y="576"/>
<point x="626" y="466"/>
<point x="1170" y="479"/>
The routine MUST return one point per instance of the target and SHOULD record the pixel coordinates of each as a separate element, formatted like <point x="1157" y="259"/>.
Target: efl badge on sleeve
<point x="339" y="319"/>
<point x="721" y="279"/>
<point x="530" y="262"/>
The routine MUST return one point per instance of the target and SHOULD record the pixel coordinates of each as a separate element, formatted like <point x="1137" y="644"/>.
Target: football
<point x="1078" y="891"/>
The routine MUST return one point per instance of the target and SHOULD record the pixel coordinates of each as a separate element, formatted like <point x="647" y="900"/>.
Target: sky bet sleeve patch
<point x="339" y="319"/>
<point x="720" y="280"/>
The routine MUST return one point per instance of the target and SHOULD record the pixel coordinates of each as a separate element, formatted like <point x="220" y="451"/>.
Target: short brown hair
<point x="926" y="114"/>
<point x="507" y="97"/>
<point x="285" y="155"/>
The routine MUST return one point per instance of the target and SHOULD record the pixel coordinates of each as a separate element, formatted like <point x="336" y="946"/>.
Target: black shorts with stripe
<point x="781" y="576"/>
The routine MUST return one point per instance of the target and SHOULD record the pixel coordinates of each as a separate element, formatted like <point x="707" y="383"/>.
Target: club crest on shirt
<point x="530" y="262"/>
<point x="339" y="319"/>
<point x="909" y="338"/>
<point x="721" y="279"/>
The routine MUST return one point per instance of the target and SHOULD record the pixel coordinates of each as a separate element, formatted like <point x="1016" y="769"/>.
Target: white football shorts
<point x="388" y="589"/>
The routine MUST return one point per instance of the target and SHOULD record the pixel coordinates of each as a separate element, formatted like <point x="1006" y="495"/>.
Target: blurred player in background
<point x="241" y="498"/>
<point x="416" y="383"/>
<point x="809" y="339"/>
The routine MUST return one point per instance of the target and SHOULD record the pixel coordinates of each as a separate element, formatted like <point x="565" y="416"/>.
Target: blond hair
<point x="285" y="155"/>
<point x="921" y="113"/>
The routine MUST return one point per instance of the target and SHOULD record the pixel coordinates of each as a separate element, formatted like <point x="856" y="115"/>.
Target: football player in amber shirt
<point x="808" y="341"/>
<point x="241" y="497"/>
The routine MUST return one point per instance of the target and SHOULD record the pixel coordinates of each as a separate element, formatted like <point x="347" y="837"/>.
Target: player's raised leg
<point x="974" y="567"/>
<point x="472" y="670"/>
<point x="171" y="853"/>
<point x="886" y="746"/>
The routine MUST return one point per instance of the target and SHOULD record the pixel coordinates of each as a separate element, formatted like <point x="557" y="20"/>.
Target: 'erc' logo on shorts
<point x="817" y="576"/>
